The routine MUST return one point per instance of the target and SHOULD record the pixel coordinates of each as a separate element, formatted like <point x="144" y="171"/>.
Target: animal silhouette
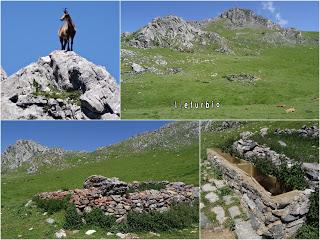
<point x="67" y="31"/>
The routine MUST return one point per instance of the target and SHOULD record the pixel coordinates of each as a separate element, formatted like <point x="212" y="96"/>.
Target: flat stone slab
<point x="204" y="221"/>
<point x="201" y="205"/>
<point x="219" y="183"/>
<point x="234" y="211"/>
<point x="208" y="187"/>
<point x="244" y="230"/>
<point x="212" y="197"/>
<point x="220" y="215"/>
<point x="228" y="199"/>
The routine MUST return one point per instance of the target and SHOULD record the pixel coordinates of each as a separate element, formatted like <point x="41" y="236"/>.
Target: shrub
<point x="51" y="205"/>
<point x="72" y="218"/>
<point x="97" y="218"/>
<point x="307" y="232"/>
<point x="292" y="177"/>
<point x="178" y="217"/>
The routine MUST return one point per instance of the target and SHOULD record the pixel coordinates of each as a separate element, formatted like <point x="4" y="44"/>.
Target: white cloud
<point x="268" y="6"/>
<point x="276" y="14"/>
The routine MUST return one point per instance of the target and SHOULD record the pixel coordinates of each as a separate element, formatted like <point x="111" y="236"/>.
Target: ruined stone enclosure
<point x="118" y="198"/>
<point x="273" y="215"/>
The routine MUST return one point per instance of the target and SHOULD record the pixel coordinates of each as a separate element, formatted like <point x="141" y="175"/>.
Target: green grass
<point x="288" y="76"/>
<point x="298" y="148"/>
<point x="18" y="187"/>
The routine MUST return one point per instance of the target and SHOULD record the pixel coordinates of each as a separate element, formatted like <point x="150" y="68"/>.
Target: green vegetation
<point x="301" y="149"/>
<point x="287" y="77"/>
<point x="310" y="230"/>
<point x="125" y="160"/>
<point x="51" y="205"/>
<point x="73" y="219"/>
<point x="72" y="95"/>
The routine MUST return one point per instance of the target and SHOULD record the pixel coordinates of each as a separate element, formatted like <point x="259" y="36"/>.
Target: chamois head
<point x="65" y="15"/>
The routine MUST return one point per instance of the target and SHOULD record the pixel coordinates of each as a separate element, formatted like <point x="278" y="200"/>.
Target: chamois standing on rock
<point x="67" y="31"/>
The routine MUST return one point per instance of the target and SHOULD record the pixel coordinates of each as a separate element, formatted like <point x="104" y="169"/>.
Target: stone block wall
<point x="277" y="216"/>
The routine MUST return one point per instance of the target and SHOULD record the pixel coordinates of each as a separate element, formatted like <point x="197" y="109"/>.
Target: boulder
<point x="32" y="92"/>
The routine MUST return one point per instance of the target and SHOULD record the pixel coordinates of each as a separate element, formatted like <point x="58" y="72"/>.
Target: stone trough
<point x="273" y="215"/>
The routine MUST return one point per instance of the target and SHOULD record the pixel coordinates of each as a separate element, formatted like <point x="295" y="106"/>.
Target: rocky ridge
<point x="62" y="85"/>
<point x="175" y="33"/>
<point x="27" y="152"/>
<point x="114" y="198"/>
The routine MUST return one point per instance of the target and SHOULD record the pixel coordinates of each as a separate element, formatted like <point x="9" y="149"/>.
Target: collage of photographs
<point x="159" y="119"/>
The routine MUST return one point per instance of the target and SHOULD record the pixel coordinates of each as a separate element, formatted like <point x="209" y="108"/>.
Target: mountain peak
<point x="241" y="17"/>
<point x="62" y="85"/>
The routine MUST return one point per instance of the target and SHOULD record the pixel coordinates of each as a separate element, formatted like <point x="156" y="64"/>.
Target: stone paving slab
<point x="244" y="230"/>
<point x="234" y="211"/>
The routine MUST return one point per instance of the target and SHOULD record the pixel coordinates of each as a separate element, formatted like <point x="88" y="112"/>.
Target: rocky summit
<point x="62" y="85"/>
<point x="238" y="17"/>
<point x="27" y="153"/>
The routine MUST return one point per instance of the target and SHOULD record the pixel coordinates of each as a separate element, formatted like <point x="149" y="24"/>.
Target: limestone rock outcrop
<point x="3" y="74"/>
<point x="62" y="85"/>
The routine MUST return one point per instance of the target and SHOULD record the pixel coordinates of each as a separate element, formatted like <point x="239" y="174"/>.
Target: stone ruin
<point x="272" y="216"/>
<point x="305" y="131"/>
<point x="118" y="198"/>
<point x="241" y="77"/>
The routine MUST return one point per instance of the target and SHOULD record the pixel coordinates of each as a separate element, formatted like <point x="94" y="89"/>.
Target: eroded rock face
<point x="238" y="17"/>
<point x="3" y="74"/>
<point x="62" y="85"/>
<point x="112" y="197"/>
<point x="169" y="31"/>
<point x="26" y="152"/>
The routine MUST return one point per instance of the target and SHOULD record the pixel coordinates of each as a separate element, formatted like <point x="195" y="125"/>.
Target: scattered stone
<point x="246" y="135"/>
<point x="50" y="220"/>
<point x="30" y="229"/>
<point x="282" y="143"/>
<point x="109" y="234"/>
<point x="242" y="77"/>
<point x="264" y="132"/>
<point x="234" y="211"/>
<point x="201" y="205"/>
<point x="220" y="215"/>
<point x="154" y="234"/>
<point x="212" y="197"/>
<point x="208" y="187"/>
<point x="45" y="213"/>
<point x="60" y="234"/>
<point x="90" y="232"/>
<point x="121" y="235"/>
<point x="75" y="231"/>
<point x="28" y="204"/>
<point x="137" y="68"/>
<point x="311" y="170"/>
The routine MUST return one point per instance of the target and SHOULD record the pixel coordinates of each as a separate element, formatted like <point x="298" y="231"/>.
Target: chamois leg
<point x="72" y="44"/>
<point x="61" y="42"/>
<point x="68" y="49"/>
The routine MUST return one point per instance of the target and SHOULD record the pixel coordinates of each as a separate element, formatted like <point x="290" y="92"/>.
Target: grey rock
<point x="208" y="188"/>
<point x="311" y="170"/>
<point x="3" y="74"/>
<point x="246" y="135"/>
<point x="282" y="143"/>
<point x="264" y="132"/>
<point x="60" y="72"/>
<point x="244" y="230"/>
<point x="137" y="68"/>
<point x="228" y="199"/>
<point x="220" y="215"/>
<point x="60" y="234"/>
<point x="50" y="220"/>
<point x="212" y="197"/>
<point x="90" y="232"/>
<point x="234" y="211"/>
<point x="108" y="186"/>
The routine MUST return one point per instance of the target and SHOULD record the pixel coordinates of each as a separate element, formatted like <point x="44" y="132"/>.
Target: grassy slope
<point x="298" y="148"/>
<point x="18" y="188"/>
<point x="289" y="76"/>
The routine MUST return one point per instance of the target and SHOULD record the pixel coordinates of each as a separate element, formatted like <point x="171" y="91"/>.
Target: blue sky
<point x="29" y="31"/>
<point x="302" y="15"/>
<point x="73" y="135"/>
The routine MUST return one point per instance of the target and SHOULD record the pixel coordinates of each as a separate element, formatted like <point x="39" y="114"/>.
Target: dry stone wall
<point x="118" y="198"/>
<point x="272" y="216"/>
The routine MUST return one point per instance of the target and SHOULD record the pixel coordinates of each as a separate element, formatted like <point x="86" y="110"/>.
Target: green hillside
<point x="151" y="162"/>
<point x="285" y="68"/>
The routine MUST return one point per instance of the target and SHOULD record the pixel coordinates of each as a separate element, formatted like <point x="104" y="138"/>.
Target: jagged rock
<point x="24" y="152"/>
<point x="3" y="74"/>
<point x="108" y="186"/>
<point x="31" y="92"/>
<point x="264" y="132"/>
<point x="312" y="170"/>
<point x="238" y="17"/>
<point x="170" y="31"/>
